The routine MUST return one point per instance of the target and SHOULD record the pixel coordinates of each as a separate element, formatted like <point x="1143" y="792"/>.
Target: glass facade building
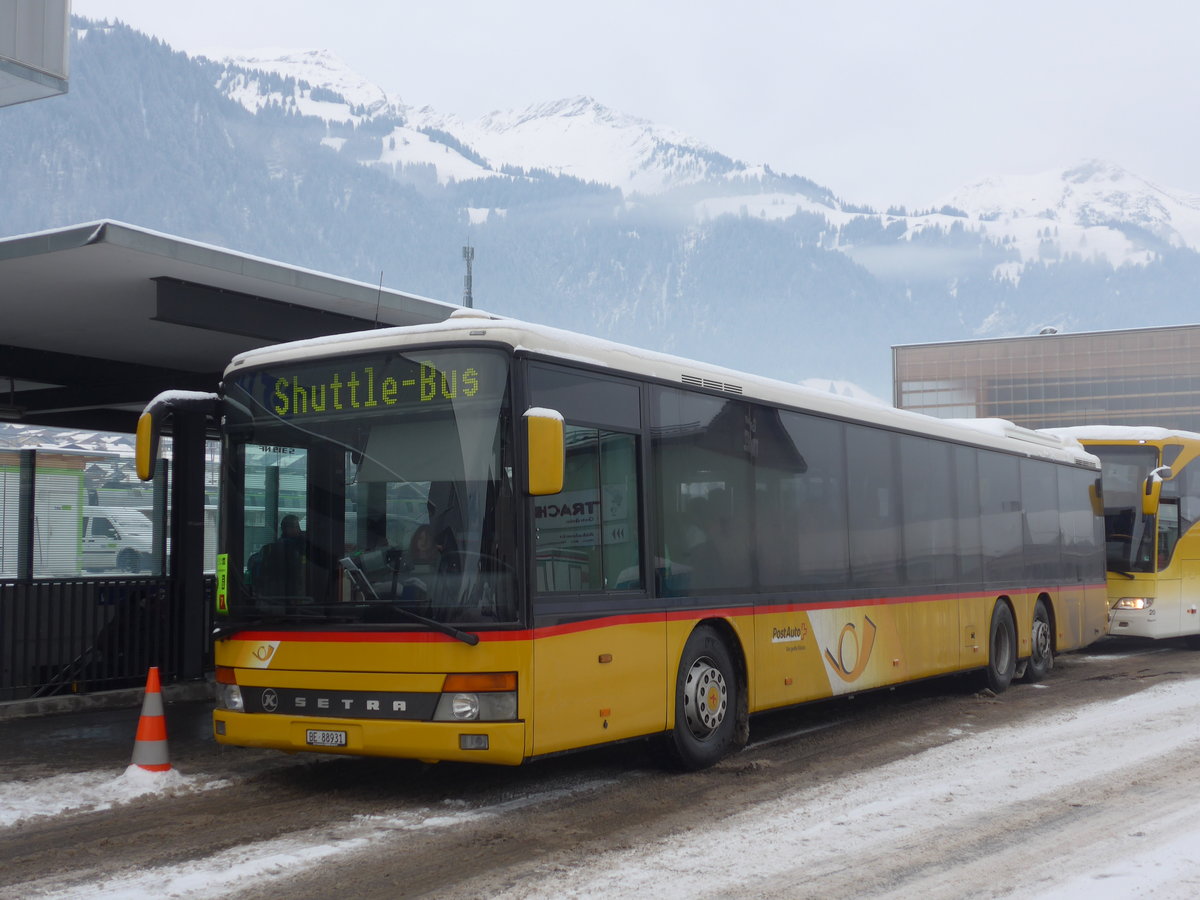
<point x="1143" y="376"/>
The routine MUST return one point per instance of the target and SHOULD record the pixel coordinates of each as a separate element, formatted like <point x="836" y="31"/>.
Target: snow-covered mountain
<point x="314" y="83"/>
<point x="1091" y="210"/>
<point x="577" y="136"/>
<point x="587" y="140"/>
<point x="583" y="217"/>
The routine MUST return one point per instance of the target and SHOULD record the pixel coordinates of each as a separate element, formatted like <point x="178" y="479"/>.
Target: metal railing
<point x="85" y="635"/>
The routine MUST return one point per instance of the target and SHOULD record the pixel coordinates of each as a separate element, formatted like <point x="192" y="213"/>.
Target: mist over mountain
<point x="581" y="216"/>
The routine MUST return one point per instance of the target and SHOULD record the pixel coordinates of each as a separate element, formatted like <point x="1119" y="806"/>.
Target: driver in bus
<point x="422" y="553"/>
<point x="279" y="570"/>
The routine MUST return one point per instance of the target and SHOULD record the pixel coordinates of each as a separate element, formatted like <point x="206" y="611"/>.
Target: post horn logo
<point x="861" y="651"/>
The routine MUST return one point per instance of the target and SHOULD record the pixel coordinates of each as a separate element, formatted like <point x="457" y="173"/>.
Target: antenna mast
<point x="468" y="257"/>
<point x="379" y="298"/>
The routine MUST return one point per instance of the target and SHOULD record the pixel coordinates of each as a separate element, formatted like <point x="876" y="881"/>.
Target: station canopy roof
<point x="100" y="317"/>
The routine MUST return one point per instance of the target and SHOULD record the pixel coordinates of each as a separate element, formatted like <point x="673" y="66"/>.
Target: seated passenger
<point x="281" y="563"/>
<point x="422" y="554"/>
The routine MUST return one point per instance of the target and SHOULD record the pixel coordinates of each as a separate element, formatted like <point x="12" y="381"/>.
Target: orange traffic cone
<point x="150" y="746"/>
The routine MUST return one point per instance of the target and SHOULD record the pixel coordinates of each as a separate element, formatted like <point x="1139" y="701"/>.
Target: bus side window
<point x="1187" y="487"/>
<point x="1168" y="531"/>
<point x="926" y="480"/>
<point x="587" y="536"/>
<point x="801" y="495"/>
<point x="873" y="489"/>
<point x="705" y="486"/>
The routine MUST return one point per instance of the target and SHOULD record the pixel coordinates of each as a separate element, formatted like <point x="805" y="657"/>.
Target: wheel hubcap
<point x="1041" y="640"/>
<point x="705" y="698"/>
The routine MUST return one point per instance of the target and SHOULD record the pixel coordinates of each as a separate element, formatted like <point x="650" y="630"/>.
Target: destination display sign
<point x="361" y="385"/>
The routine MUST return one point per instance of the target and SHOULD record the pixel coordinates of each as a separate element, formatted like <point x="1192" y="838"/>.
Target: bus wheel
<point x="1002" y="649"/>
<point x="706" y="697"/>
<point x="1041" y="652"/>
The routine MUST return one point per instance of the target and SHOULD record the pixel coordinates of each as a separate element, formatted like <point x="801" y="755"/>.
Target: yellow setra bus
<point x="491" y="541"/>
<point x="1151" y="484"/>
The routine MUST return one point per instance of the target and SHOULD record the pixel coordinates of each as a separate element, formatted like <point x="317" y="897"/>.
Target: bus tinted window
<point x="1082" y="535"/>
<point x="801" y="505"/>
<point x="587" y="536"/>
<point x="1180" y="506"/>
<point x="702" y="466"/>
<point x="585" y="397"/>
<point x="1129" y="533"/>
<point x="875" y="558"/>
<point x="1039" y="496"/>
<point x="966" y="507"/>
<point x="1000" y="518"/>
<point x="929" y="545"/>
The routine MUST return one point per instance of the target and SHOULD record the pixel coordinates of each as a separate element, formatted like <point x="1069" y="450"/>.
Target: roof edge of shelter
<point x="155" y="243"/>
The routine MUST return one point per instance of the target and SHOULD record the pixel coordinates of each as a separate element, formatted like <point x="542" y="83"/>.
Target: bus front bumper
<point x="497" y="743"/>
<point x="1136" y="623"/>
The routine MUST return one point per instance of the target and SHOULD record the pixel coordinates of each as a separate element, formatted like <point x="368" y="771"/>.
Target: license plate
<point x="317" y="738"/>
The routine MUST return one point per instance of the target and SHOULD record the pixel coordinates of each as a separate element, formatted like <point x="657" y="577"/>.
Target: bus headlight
<point x="487" y="697"/>
<point x="229" y="696"/>
<point x="464" y="706"/>
<point x="1134" y="603"/>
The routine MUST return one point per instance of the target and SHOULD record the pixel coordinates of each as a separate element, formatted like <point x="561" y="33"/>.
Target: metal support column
<point x="25" y="514"/>
<point x="187" y="541"/>
<point x="158" y="519"/>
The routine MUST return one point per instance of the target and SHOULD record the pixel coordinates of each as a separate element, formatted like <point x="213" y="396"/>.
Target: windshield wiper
<point x="220" y="629"/>
<point x="1123" y="573"/>
<point x="359" y="579"/>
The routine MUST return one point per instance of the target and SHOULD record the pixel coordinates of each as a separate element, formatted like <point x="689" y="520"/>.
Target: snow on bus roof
<point x="571" y="346"/>
<point x="1122" y="433"/>
<point x="540" y="412"/>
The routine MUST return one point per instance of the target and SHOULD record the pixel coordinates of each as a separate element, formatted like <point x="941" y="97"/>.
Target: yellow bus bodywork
<point x="607" y="680"/>
<point x="1175" y="589"/>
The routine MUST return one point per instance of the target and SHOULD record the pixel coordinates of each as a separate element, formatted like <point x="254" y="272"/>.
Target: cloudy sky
<point x="883" y="101"/>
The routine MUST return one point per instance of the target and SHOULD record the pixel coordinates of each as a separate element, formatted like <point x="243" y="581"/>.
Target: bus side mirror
<point x="1096" y="496"/>
<point x="547" y="451"/>
<point x="146" y="449"/>
<point x="1152" y="490"/>
<point x="150" y="423"/>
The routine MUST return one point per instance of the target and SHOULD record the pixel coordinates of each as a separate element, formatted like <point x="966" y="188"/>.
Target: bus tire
<point x="1192" y="641"/>
<point x="1002" y="649"/>
<point x="1041" y="645"/>
<point x="707" y="693"/>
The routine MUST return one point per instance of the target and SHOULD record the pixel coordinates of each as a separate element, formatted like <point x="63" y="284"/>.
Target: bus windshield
<point x="1128" y="534"/>
<point x="373" y="489"/>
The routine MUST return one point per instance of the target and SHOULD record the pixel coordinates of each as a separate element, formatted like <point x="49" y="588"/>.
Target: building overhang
<point x="100" y="317"/>
<point x="20" y="83"/>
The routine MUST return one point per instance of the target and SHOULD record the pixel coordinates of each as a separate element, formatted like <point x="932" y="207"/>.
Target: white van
<point x="115" y="537"/>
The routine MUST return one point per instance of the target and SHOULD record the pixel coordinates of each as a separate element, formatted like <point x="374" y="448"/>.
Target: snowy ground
<point x="1099" y="801"/>
<point x="915" y="802"/>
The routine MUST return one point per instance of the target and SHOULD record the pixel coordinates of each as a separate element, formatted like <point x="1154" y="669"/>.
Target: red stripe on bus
<point x="595" y="622"/>
<point x="373" y="637"/>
